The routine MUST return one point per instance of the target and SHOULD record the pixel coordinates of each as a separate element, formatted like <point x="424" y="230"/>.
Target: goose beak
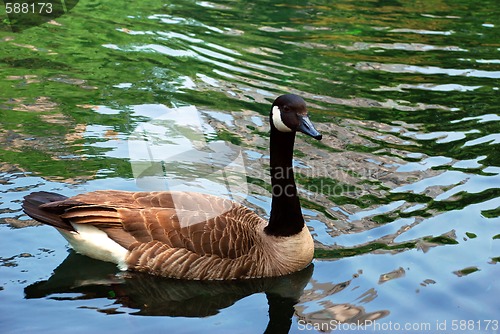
<point x="308" y="128"/>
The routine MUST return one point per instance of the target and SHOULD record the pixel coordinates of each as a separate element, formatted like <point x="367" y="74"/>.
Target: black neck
<point x="286" y="216"/>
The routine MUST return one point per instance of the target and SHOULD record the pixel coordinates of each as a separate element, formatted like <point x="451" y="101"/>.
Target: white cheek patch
<point x="278" y="122"/>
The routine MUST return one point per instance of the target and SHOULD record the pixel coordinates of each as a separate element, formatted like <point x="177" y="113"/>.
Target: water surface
<point x="401" y="195"/>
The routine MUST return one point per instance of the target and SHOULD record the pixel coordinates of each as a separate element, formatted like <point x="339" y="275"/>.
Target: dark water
<point x="402" y="193"/>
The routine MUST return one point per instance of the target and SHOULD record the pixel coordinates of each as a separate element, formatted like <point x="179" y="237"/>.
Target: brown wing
<point x="157" y="199"/>
<point x="200" y="223"/>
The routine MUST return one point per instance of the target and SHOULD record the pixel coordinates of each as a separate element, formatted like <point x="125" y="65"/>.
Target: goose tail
<point x="47" y="207"/>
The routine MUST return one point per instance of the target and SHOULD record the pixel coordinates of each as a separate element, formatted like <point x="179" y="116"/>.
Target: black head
<point x="289" y="114"/>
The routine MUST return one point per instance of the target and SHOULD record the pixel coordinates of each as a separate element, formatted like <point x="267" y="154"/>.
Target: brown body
<point x="175" y="234"/>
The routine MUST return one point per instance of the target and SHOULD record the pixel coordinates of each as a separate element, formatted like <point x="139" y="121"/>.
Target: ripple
<point x="425" y="164"/>
<point x="489" y="139"/>
<point x="441" y="136"/>
<point x="377" y="233"/>
<point x="359" y="46"/>
<point x="469" y="164"/>
<point x="480" y="119"/>
<point x="473" y="184"/>
<point x="429" y="86"/>
<point x="448" y="178"/>
<point x="403" y="68"/>
<point x="423" y="31"/>
<point x="376" y="211"/>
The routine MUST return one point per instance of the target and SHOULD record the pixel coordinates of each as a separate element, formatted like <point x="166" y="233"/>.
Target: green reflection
<point x="390" y="83"/>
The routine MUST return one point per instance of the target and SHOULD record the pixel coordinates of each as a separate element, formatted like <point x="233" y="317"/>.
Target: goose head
<point x="289" y="115"/>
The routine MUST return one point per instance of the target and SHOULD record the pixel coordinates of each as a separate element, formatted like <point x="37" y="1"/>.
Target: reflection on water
<point x="82" y="278"/>
<point x="401" y="195"/>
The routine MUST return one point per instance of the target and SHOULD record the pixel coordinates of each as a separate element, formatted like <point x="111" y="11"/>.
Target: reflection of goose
<point x="82" y="278"/>
<point x="193" y="235"/>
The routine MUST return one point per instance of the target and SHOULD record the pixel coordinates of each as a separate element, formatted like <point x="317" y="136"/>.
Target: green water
<point x="401" y="195"/>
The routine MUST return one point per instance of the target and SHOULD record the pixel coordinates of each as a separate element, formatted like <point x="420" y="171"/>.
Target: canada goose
<point x="190" y="235"/>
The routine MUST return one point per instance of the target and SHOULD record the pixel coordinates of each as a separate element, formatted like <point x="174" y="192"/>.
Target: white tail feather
<point x="91" y="241"/>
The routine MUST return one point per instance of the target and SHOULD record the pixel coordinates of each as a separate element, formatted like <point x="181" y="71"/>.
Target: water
<point x="402" y="192"/>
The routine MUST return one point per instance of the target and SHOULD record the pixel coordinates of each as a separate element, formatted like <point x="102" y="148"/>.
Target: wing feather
<point x="178" y="220"/>
<point x="164" y="231"/>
